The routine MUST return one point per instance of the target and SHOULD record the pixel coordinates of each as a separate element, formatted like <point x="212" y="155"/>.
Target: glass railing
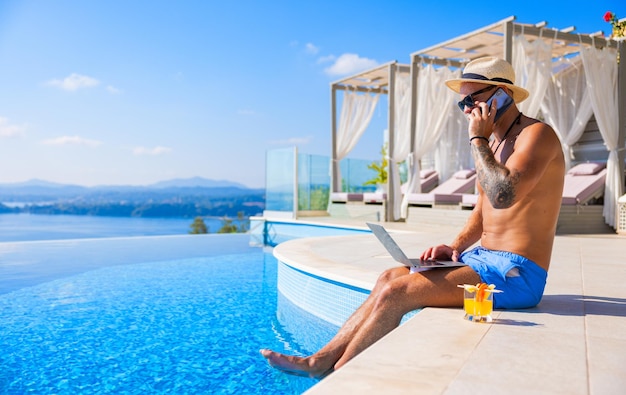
<point x="313" y="182"/>
<point x="280" y="180"/>
<point x="305" y="179"/>
<point x="354" y="175"/>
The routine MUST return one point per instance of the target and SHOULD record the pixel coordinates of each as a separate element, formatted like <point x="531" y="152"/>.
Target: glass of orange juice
<point x="478" y="302"/>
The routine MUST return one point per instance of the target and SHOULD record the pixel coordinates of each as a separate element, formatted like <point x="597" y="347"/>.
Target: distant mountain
<point x="38" y="184"/>
<point x="174" y="198"/>
<point x="39" y="190"/>
<point x="196" y="182"/>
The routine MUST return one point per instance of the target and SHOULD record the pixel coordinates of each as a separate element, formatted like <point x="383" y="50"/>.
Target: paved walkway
<point x="573" y="342"/>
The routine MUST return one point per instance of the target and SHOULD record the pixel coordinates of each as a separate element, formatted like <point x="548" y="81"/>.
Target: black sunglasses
<point x="469" y="99"/>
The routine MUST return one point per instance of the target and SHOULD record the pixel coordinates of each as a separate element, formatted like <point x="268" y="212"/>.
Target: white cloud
<point x="74" y="82"/>
<point x="10" y="130"/>
<point x="350" y="63"/>
<point x="113" y="90"/>
<point x="151" y="151"/>
<point x="72" y="140"/>
<point x="326" y="59"/>
<point x="311" y="49"/>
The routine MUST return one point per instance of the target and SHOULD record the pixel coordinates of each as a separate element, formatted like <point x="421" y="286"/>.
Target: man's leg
<point x="432" y="288"/>
<point x="324" y="360"/>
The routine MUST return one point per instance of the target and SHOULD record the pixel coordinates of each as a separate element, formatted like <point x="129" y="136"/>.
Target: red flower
<point x="618" y="27"/>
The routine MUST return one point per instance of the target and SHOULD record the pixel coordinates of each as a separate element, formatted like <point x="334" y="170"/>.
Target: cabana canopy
<point x="524" y="46"/>
<point x="372" y="83"/>
<point x="495" y="40"/>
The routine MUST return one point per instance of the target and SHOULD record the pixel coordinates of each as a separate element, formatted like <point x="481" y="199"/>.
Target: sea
<point x="37" y="227"/>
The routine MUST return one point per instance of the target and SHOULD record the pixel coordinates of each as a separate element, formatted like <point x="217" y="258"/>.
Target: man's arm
<point x="497" y="181"/>
<point x="472" y="230"/>
<point x="503" y="185"/>
<point x="469" y="235"/>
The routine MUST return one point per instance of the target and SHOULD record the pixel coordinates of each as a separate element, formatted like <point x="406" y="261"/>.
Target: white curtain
<point x="601" y="72"/>
<point x="401" y="135"/>
<point x="452" y="151"/>
<point x="532" y="64"/>
<point x="356" y="113"/>
<point x="567" y="104"/>
<point x="433" y="106"/>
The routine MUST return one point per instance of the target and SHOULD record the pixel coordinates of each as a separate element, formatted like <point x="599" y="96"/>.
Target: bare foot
<point x="298" y="366"/>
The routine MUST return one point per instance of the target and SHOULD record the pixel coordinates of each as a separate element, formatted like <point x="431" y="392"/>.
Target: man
<point x="520" y="170"/>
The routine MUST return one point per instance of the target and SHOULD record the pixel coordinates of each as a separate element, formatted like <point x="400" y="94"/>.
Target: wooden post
<point x="508" y="42"/>
<point x="335" y="182"/>
<point x="391" y="182"/>
<point x="621" y="121"/>
<point x="413" y="120"/>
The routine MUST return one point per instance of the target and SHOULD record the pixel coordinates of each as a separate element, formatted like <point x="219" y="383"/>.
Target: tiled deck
<point x="573" y="342"/>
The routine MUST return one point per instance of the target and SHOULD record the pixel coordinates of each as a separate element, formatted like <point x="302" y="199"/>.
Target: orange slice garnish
<point x="480" y="294"/>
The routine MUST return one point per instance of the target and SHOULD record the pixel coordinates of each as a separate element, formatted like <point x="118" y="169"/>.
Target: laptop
<point x="396" y="252"/>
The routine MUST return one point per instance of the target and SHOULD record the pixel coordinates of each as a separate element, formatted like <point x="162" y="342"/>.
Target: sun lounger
<point x="449" y="192"/>
<point x="345" y="197"/>
<point x="469" y="200"/>
<point x="583" y="183"/>
<point x="428" y="180"/>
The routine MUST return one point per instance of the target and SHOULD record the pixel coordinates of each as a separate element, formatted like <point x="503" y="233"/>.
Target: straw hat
<point x="491" y="71"/>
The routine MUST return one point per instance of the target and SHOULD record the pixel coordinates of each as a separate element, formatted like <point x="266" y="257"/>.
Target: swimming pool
<point x="177" y="314"/>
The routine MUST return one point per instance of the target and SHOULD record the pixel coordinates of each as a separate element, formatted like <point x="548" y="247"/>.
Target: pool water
<point x="191" y="325"/>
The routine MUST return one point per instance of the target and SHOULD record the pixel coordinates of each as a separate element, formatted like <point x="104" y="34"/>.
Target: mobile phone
<point x="504" y="101"/>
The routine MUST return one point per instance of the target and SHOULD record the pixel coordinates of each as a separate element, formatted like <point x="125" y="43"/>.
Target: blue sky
<point x="135" y="92"/>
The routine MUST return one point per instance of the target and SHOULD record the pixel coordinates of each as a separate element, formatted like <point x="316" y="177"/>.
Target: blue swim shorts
<point x="521" y="280"/>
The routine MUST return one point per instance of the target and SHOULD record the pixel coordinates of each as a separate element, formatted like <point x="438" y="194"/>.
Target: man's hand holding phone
<point x="502" y="100"/>
<point x="484" y="115"/>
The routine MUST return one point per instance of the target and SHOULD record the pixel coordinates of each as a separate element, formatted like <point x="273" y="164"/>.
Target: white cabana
<point x="432" y="103"/>
<point x="546" y="62"/>
<point x="361" y="93"/>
